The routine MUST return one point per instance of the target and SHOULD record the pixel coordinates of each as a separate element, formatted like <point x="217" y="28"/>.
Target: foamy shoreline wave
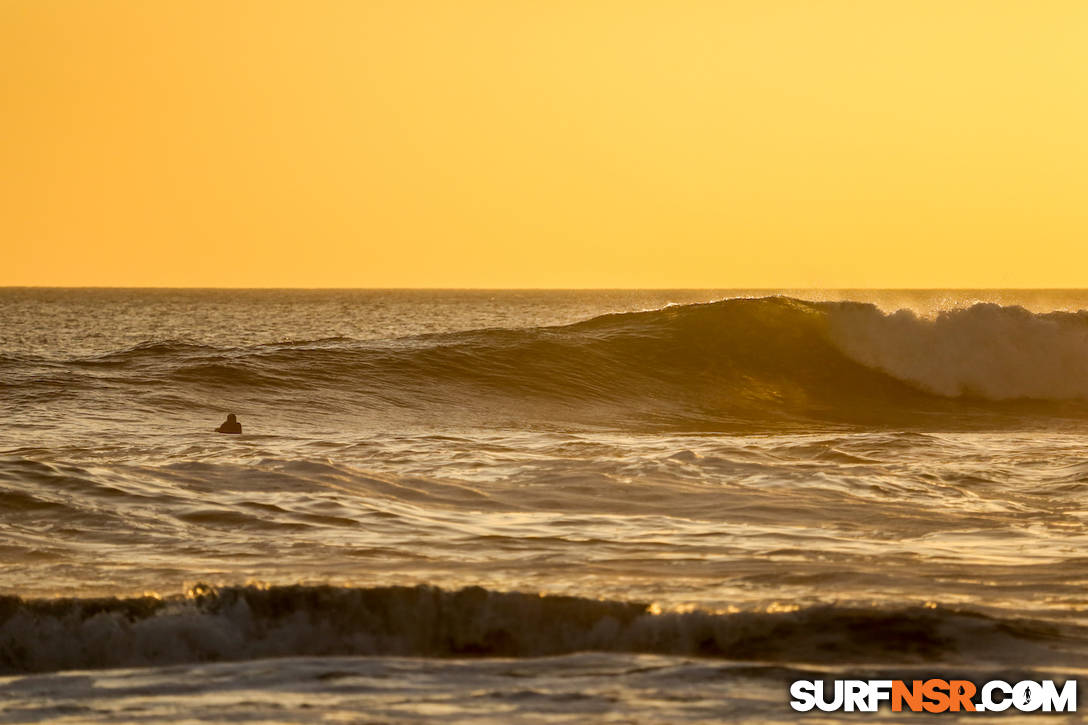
<point x="210" y="624"/>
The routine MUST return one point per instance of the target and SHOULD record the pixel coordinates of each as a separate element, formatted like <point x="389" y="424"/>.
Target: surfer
<point x="230" y="425"/>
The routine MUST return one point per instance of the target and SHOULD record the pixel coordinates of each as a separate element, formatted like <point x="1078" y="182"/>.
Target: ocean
<point x="533" y="506"/>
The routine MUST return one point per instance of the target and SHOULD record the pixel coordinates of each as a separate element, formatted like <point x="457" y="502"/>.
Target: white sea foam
<point x="984" y="350"/>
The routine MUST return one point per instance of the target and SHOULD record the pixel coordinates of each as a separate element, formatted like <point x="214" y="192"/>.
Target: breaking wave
<point x="763" y="361"/>
<point x="246" y="622"/>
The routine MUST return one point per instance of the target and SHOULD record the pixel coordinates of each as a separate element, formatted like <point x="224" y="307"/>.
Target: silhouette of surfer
<point x="230" y="425"/>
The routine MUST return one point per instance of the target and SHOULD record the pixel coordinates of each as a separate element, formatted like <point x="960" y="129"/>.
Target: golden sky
<point x="580" y="143"/>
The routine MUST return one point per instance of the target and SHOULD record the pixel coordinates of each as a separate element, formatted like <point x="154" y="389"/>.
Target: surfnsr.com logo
<point x="933" y="695"/>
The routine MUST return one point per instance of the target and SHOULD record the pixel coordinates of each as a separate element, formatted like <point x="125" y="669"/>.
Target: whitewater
<point x="529" y="506"/>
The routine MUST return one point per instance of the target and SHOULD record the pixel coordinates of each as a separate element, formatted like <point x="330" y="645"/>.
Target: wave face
<point x="235" y="623"/>
<point x="759" y="363"/>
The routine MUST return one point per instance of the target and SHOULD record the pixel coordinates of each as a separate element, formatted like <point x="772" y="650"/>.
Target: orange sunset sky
<point x="589" y="143"/>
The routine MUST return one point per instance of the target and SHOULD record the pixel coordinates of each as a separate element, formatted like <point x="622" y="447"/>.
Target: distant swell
<point x="767" y="362"/>
<point x="237" y="623"/>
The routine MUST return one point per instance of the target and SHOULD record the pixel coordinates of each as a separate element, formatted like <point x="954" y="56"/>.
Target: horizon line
<point x="542" y="289"/>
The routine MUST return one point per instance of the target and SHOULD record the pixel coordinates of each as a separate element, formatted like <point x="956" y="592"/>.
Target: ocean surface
<point x="542" y="507"/>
